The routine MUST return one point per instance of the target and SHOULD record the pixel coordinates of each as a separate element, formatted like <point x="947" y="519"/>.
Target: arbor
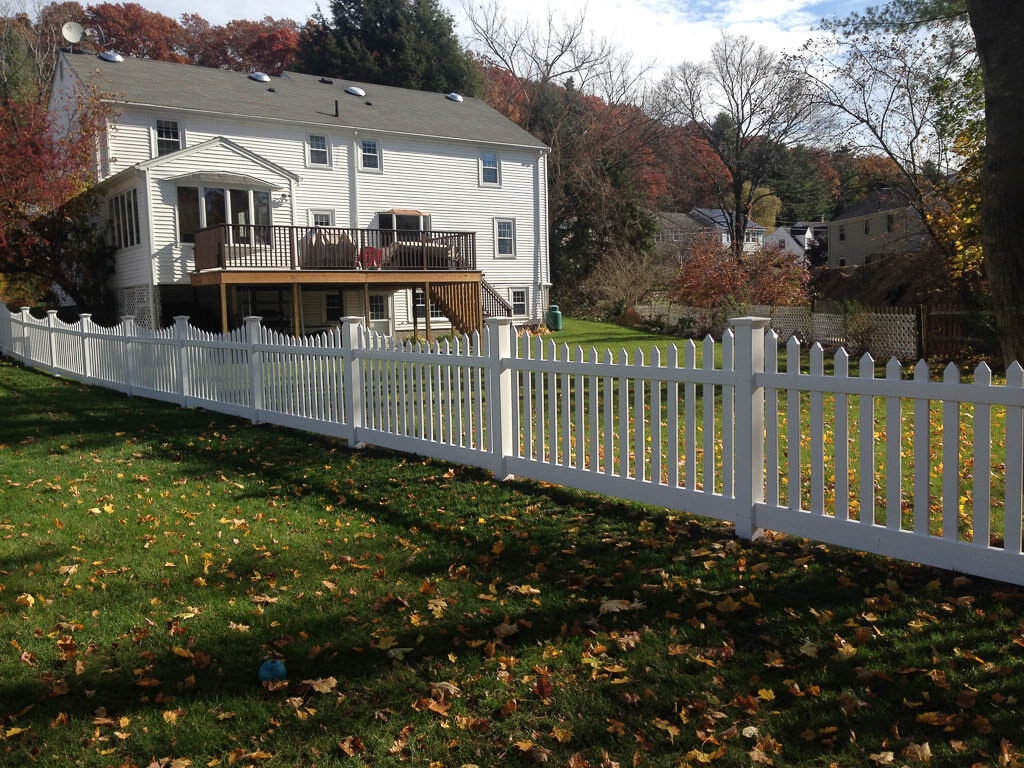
<point x="744" y="104"/>
<point x="404" y="43"/>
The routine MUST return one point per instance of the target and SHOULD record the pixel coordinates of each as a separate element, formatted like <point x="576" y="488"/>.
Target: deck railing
<point x="259" y="247"/>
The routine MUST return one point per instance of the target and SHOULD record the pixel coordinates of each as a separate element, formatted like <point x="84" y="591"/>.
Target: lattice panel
<point x="141" y="302"/>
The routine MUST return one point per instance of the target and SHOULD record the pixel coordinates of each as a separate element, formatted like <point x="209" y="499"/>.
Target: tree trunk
<point x="996" y="25"/>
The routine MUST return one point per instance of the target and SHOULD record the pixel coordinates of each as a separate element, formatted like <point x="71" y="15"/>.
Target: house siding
<point x="436" y="175"/>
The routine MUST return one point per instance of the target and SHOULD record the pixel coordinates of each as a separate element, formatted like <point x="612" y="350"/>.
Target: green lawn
<point x="152" y="558"/>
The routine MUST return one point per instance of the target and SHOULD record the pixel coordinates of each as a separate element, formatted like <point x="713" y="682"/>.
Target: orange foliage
<point x="712" y="276"/>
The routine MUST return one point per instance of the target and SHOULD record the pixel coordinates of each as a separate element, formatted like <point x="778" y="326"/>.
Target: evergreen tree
<point x="404" y="43"/>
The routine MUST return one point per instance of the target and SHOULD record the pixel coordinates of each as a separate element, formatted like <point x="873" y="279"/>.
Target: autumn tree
<point x="405" y="43"/>
<point x="270" y="45"/>
<point x="47" y="216"/>
<point x="132" y="30"/>
<point x="743" y="104"/>
<point x="712" y="277"/>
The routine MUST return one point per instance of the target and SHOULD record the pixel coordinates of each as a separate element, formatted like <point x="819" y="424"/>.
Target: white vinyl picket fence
<point x="928" y="471"/>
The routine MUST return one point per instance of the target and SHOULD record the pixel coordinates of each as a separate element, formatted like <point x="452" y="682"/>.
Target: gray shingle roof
<point x="297" y="98"/>
<point x="715" y="217"/>
<point x="880" y="200"/>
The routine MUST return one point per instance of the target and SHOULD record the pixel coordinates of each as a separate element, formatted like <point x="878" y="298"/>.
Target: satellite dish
<point x="72" y="32"/>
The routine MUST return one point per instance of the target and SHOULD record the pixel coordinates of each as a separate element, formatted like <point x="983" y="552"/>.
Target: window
<point x="124" y="219"/>
<point x="168" y="137"/>
<point x="419" y="306"/>
<point x="248" y="212"/>
<point x="378" y="306"/>
<point x="842" y="231"/>
<point x="518" y="301"/>
<point x="188" y="214"/>
<point x="369" y="155"/>
<point x="490" y="173"/>
<point x="334" y="307"/>
<point x="321" y="218"/>
<point x="890" y="223"/>
<point x="867" y="226"/>
<point x="405" y="221"/>
<point x="505" y="238"/>
<point x="318" y="154"/>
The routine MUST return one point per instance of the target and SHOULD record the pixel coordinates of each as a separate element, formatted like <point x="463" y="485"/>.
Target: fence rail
<point x="928" y="471"/>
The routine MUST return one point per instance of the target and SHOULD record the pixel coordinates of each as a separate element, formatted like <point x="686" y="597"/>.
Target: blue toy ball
<point x="272" y="669"/>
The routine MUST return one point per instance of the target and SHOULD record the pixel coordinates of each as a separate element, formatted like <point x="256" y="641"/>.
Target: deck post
<point x="296" y="309"/>
<point x="426" y="307"/>
<point x="224" y="308"/>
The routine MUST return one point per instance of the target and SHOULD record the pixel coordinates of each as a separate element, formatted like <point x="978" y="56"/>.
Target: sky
<point x="659" y="33"/>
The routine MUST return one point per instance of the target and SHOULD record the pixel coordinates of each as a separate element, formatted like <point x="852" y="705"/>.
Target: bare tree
<point x="743" y="104"/>
<point x="584" y="99"/>
<point x="881" y="83"/>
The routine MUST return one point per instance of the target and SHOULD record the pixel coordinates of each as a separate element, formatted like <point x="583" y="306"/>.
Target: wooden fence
<point x="928" y="471"/>
<point x="937" y="331"/>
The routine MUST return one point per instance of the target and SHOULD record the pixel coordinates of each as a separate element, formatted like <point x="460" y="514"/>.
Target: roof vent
<point x="355" y="90"/>
<point x="326" y="81"/>
<point x="259" y="77"/>
<point x="111" y="56"/>
<point x="456" y="97"/>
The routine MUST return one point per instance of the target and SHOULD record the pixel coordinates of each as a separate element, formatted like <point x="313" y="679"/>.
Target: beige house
<point x="880" y="225"/>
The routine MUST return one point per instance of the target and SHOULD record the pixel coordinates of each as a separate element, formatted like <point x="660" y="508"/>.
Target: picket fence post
<point x="128" y="334"/>
<point x="83" y="329"/>
<point x="184" y="379"/>
<point x="749" y="435"/>
<point x="352" y="378"/>
<point x="252" y="336"/>
<point x="499" y="394"/>
<point x="51" y="325"/>
<point x="26" y="344"/>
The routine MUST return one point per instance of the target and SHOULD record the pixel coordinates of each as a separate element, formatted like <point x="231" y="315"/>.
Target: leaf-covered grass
<point x="152" y="558"/>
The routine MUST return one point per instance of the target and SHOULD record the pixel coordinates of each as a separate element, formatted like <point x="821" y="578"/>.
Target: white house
<point x="304" y="199"/>
<point x="718" y="223"/>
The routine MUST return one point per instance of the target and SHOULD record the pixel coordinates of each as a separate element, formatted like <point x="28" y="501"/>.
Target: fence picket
<point x="893" y="452"/>
<point x="982" y="461"/>
<point x="817" y="433"/>
<point x="950" y="459"/>
<point x="922" y="449"/>
<point x="866" y="463"/>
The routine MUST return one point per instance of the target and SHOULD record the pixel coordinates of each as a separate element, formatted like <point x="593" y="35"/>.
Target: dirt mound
<point x="894" y="281"/>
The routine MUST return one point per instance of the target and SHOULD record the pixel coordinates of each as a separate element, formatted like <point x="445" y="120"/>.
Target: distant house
<point x="675" y="232"/>
<point x="801" y="239"/>
<point x="880" y="225"/>
<point x="782" y="237"/>
<point x="715" y="222"/>
<point x="304" y="199"/>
